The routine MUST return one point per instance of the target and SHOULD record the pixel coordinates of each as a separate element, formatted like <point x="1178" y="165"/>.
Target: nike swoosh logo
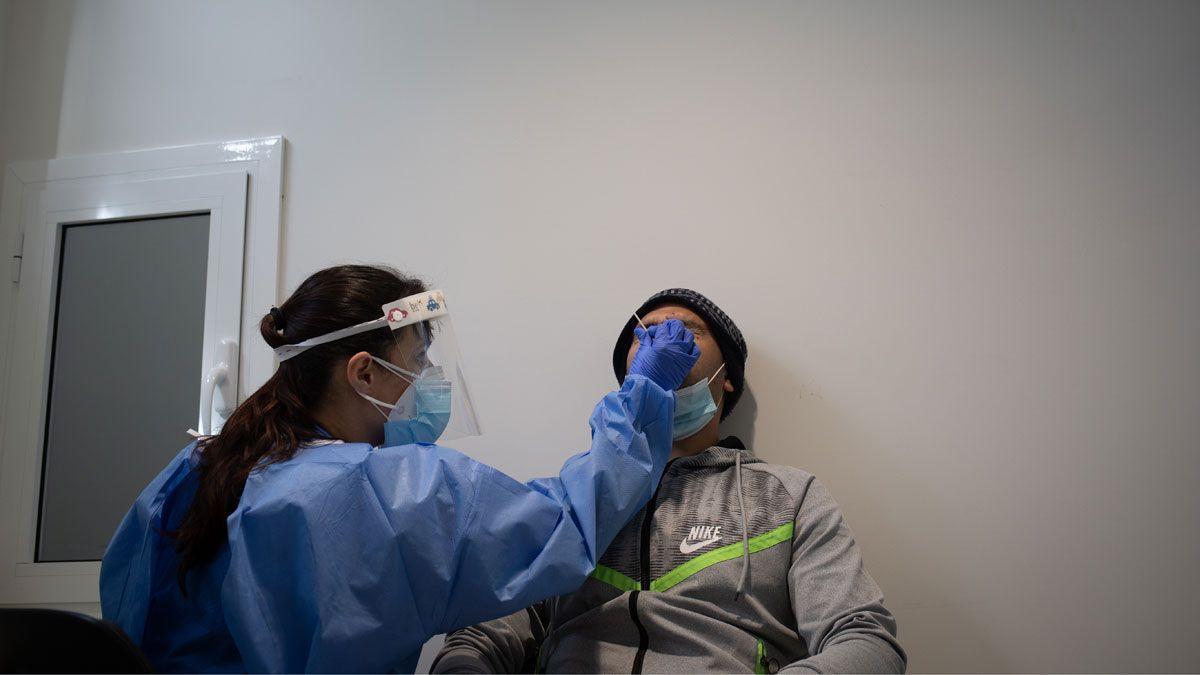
<point x="686" y="548"/>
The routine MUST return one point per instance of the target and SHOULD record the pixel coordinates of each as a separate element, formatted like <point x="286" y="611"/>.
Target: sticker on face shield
<point x="415" y="309"/>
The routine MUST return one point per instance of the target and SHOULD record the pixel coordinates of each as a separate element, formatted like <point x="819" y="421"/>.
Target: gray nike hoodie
<point x="733" y="565"/>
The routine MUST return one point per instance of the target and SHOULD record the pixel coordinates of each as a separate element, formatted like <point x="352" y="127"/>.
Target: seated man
<point x="733" y="565"/>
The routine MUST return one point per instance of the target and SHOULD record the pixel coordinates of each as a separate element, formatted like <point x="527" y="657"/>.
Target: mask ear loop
<point x="407" y="376"/>
<point x="380" y="406"/>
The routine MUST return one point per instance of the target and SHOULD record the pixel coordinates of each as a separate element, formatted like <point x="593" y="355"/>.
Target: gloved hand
<point x="666" y="353"/>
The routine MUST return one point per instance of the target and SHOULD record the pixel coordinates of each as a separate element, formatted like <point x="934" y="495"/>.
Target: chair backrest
<point x="54" y="641"/>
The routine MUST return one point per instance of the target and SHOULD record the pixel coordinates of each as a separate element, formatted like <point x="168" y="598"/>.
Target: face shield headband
<point x="404" y="312"/>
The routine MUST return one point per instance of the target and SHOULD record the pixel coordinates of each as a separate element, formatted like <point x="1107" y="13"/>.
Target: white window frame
<point x="239" y="184"/>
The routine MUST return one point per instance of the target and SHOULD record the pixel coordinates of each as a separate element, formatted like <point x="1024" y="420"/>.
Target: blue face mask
<point x="694" y="407"/>
<point x="423" y="411"/>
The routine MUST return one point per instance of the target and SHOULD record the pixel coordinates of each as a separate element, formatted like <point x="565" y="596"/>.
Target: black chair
<point x="53" y="641"/>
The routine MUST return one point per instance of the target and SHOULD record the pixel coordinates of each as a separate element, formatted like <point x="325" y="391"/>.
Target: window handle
<point x="220" y="386"/>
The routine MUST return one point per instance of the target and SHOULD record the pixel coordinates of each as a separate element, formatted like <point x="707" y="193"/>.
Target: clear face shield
<point x="436" y="404"/>
<point x="427" y="356"/>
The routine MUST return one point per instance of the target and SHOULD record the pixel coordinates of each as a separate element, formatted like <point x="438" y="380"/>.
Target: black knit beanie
<point x="724" y="330"/>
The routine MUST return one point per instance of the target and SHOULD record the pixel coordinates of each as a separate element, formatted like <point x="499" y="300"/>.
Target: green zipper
<point x="760" y="660"/>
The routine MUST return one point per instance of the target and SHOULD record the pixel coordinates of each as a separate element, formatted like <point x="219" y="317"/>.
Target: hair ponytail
<point x="274" y="421"/>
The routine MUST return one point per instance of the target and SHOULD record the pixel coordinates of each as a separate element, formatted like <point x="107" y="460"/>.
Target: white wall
<point x="961" y="238"/>
<point x="33" y="42"/>
<point x="4" y="7"/>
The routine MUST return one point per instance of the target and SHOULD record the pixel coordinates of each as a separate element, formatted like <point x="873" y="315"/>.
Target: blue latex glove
<point x="666" y="353"/>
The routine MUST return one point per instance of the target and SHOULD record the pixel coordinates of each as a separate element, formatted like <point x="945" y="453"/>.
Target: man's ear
<point x="728" y="386"/>
<point x="359" y="373"/>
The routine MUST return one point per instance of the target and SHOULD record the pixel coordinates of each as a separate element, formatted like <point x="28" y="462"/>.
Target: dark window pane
<point x="125" y="373"/>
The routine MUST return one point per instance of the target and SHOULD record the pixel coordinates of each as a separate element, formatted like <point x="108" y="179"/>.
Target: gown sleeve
<point x="126" y="571"/>
<point x="350" y="563"/>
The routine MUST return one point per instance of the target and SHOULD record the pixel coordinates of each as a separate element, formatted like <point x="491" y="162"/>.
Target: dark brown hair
<point x="272" y="423"/>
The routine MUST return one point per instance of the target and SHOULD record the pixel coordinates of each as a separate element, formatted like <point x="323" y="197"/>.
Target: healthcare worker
<point x="322" y="530"/>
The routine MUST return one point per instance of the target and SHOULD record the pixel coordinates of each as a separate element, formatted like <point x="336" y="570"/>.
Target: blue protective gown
<point x="348" y="558"/>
